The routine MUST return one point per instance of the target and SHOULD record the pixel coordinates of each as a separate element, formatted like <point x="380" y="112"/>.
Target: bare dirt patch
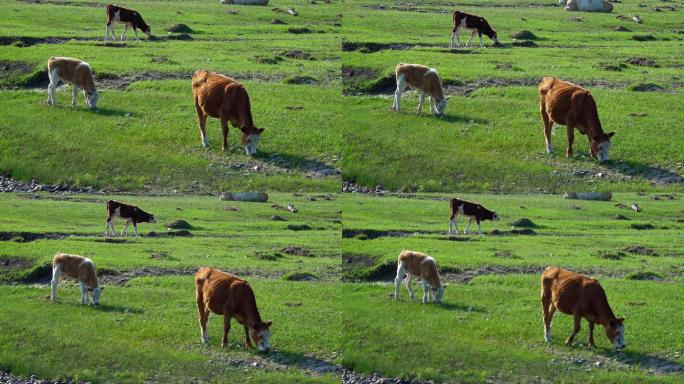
<point x="640" y="250"/>
<point x="370" y="234"/>
<point x="296" y="251"/>
<point x="464" y="276"/>
<point x="6" y="377"/>
<point x="523" y="231"/>
<point x="9" y="262"/>
<point x="354" y="260"/>
<point x="642" y="226"/>
<point x="299" y="227"/>
<point x="611" y="255"/>
<point x="268" y="256"/>
<point x="296" y="54"/>
<point x="25" y="237"/>
<point x="642" y="61"/>
<point x="180" y="233"/>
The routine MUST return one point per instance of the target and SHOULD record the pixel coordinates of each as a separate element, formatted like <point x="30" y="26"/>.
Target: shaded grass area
<point x="130" y="144"/>
<point x="480" y="146"/>
<point x="151" y="333"/>
<point x="491" y="330"/>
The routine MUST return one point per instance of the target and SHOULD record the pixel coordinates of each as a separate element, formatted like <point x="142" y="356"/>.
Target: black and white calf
<point x="473" y="211"/>
<point x="130" y="213"/>
<point x="127" y="17"/>
<point x="477" y="24"/>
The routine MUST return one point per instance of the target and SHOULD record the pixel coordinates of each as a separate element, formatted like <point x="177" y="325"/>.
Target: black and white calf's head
<point x="486" y="214"/>
<point x="144" y="217"/>
<point x="487" y="30"/>
<point x="143" y="26"/>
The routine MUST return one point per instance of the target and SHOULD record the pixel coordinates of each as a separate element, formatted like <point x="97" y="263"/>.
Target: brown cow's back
<point x="574" y="293"/>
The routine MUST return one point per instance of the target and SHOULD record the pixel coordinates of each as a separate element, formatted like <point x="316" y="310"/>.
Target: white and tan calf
<point x="420" y="265"/>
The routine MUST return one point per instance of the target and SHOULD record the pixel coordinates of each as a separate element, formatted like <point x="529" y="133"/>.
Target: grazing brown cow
<point x="224" y="98"/>
<point x="582" y="297"/>
<point x="567" y="104"/>
<point x="225" y="294"/>
<point x="418" y="264"/>
<point x="78" y="268"/>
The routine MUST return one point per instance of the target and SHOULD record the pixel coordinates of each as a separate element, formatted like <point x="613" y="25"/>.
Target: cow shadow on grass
<point x="301" y="361"/>
<point x="459" y="307"/>
<point x="653" y="174"/>
<point x="653" y="363"/>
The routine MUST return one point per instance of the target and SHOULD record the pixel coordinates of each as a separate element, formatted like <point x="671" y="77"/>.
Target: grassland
<point x="489" y="327"/>
<point x="490" y="138"/>
<point x="147" y="318"/>
<point x="144" y="135"/>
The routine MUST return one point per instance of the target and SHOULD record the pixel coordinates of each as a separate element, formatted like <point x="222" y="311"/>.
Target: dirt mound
<point x="642" y="226"/>
<point x="300" y="80"/>
<point x="295" y="54"/>
<point x="299" y="227"/>
<point x="179" y="224"/>
<point x="524" y="35"/>
<point x="643" y="37"/>
<point x="524" y="223"/>
<point x="300" y="276"/>
<point x="646" y="87"/>
<point x="299" y="30"/>
<point x="268" y="256"/>
<point x="610" y="255"/>
<point x="357" y="260"/>
<point x="650" y="276"/>
<point x="25" y="237"/>
<point x="643" y="61"/>
<point x="296" y="251"/>
<point x="640" y="250"/>
<point x="179" y="28"/>
<point x="8" y="262"/>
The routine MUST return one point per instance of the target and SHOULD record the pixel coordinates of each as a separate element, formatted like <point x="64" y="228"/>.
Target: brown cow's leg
<point x="547" y="313"/>
<point x="248" y="342"/>
<point x="224" y="131"/>
<point x="226" y="329"/>
<point x="575" y="330"/>
<point x="591" y="335"/>
<point x="203" y="316"/>
<point x="571" y="139"/>
<point x="202" y="124"/>
<point x="548" y="125"/>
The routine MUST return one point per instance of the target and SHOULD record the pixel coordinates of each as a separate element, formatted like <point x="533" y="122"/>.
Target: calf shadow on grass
<point x="459" y="307"/>
<point x="112" y="112"/>
<point x="117" y="308"/>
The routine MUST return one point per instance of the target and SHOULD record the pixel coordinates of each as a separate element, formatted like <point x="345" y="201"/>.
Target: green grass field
<point x="489" y="327"/>
<point x="148" y="320"/>
<point x="491" y="137"/>
<point x="130" y="143"/>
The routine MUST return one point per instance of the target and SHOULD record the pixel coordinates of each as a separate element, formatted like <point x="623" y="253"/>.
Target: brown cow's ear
<point x="268" y="324"/>
<point x="610" y="134"/>
<point x="259" y="130"/>
<point x="620" y="320"/>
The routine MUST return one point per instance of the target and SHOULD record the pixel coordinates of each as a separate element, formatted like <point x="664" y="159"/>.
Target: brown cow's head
<point x="260" y="334"/>
<point x="615" y="330"/>
<point x="250" y="139"/>
<point x="600" y="145"/>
